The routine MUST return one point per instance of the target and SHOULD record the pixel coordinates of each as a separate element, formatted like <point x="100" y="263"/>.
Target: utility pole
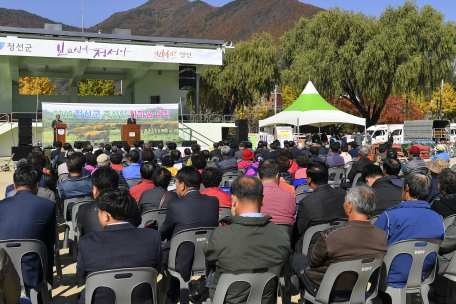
<point x="275" y="99"/>
<point x="441" y="101"/>
<point x="82" y="2"/>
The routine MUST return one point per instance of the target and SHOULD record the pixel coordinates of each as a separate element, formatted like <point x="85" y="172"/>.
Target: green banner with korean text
<point x="102" y="122"/>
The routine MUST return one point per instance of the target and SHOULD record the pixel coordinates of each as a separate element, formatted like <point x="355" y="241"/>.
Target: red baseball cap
<point x="414" y="150"/>
<point x="248" y="155"/>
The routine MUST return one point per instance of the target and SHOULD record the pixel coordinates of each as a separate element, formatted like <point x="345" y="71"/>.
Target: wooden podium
<point x="60" y="130"/>
<point x="131" y="133"/>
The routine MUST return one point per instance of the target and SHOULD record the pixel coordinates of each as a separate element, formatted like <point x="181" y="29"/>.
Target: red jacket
<point x="294" y="167"/>
<point x="143" y="185"/>
<point x="223" y="197"/>
<point x="117" y="167"/>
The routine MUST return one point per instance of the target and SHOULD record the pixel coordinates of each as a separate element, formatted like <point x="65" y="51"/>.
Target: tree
<point x="96" y="87"/>
<point x="289" y="96"/>
<point x="250" y="70"/>
<point x="448" y="106"/>
<point x="254" y="113"/>
<point x="353" y="56"/>
<point x="36" y="85"/>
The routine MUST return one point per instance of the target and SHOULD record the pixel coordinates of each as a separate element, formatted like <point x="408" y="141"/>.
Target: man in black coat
<point x="216" y="152"/>
<point x="388" y="195"/>
<point x="58" y="148"/>
<point x="324" y="205"/>
<point x="227" y="163"/>
<point x="119" y="245"/>
<point x="102" y="179"/>
<point x="150" y="199"/>
<point x="359" y="165"/>
<point x="293" y="149"/>
<point x="273" y="153"/>
<point x="191" y="210"/>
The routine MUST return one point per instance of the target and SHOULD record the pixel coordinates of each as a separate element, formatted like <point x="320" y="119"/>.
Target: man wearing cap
<point x="436" y="167"/>
<point x="441" y="153"/>
<point x="415" y="161"/>
<point x="247" y="159"/>
<point x="104" y="161"/>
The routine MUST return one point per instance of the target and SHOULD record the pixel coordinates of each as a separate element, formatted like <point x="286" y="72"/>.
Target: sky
<point x="69" y="11"/>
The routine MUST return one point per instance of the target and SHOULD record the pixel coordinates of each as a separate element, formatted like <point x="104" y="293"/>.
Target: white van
<point x="453" y="133"/>
<point x="379" y="133"/>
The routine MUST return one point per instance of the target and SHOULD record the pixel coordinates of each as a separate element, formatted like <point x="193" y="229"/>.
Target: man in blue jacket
<point x="412" y="219"/>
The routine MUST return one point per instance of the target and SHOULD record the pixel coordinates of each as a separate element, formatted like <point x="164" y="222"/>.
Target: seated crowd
<point x="381" y="200"/>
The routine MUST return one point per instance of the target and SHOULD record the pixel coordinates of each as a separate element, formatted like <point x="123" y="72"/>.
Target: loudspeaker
<point x="242" y="130"/>
<point x="84" y="143"/>
<point x="21" y="152"/>
<point x="187" y="77"/>
<point x="25" y="131"/>
<point x="187" y="84"/>
<point x="153" y="143"/>
<point x="225" y="132"/>
<point x="189" y="143"/>
<point x="119" y="144"/>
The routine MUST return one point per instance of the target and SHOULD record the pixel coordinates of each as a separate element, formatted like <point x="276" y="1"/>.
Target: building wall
<point x="212" y="132"/>
<point x="165" y="85"/>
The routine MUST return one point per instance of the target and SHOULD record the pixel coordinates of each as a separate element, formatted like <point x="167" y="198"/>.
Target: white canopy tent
<point x="311" y="109"/>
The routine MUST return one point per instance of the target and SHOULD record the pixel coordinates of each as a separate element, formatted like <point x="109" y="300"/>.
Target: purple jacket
<point x="334" y="160"/>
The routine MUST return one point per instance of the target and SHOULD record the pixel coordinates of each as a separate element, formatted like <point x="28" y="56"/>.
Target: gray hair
<point x="420" y="185"/>
<point x="309" y="143"/>
<point x="363" y="198"/>
<point x="225" y="150"/>
<point x="114" y="149"/>
<point x="364" y="151"/>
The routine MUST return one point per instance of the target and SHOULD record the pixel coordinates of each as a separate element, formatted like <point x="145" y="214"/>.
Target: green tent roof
<point x="310" y="100"/>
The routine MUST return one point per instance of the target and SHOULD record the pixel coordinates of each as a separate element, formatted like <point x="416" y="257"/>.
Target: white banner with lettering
<point x="13" y="46"/>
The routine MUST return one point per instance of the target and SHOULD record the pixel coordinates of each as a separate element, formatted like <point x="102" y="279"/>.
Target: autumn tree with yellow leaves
<point x="36" y="85"/>
<point x="96" y="87"/>
<point x="289" y="95"/>
<point x="448" y="106"/>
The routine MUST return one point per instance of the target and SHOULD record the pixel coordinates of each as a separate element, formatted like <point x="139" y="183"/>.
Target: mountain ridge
<point x="235" y="21"/>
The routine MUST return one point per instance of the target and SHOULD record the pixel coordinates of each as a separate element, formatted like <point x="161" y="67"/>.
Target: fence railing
<point x="207" y="118"/>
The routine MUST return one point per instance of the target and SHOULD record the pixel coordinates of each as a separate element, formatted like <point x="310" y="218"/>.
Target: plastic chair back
<point x="122" y="282"/>
<point x="300" y="181"/>
<point x="229" y="177"/>
<point x="356" y="178"/>
<point x="315" y="229"/>
<point x="159" y="215"/>
<point x="16" y="249"/>
<point x="363" y="266"/>
<point x="418" y="254"/>
<point x="301" y="196"/>
<point x="339" y="176"/>
<point x="224" y="212"/>
<point x="257" y="282"/>
<point x="242" y="170"/>
<point x="199" y="237"/>
<point x="453" y="168"/>
<point x="226" y="189"/>
<point x="448" y="221"/>
<point x="133" y="181"/>
<point x="303" y="188"/>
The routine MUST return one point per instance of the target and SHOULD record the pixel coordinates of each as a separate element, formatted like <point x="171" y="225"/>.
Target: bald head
<point x="247" y="195"/>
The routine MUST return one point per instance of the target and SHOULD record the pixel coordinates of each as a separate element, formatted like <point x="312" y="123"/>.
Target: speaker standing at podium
<point x="131" y="120"/>
<point x="54" y="123"/>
